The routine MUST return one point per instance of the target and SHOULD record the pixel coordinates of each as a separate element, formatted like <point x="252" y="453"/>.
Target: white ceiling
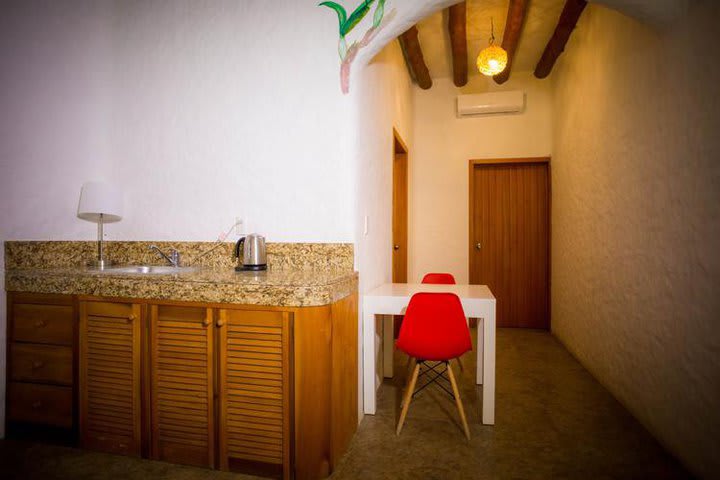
<point x="540" y="21"/>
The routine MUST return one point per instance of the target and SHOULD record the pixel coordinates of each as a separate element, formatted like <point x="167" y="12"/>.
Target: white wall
<point x="231" y="109"/>
<point x="439" y="159"/>
<point x="201" y="112"/>
<point x="383" y="90"/>
<point x="636" y="220"/>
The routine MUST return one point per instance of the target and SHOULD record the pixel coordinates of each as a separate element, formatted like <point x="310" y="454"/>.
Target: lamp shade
<point x="100" y="198"/>
<point x="492" y="60"/>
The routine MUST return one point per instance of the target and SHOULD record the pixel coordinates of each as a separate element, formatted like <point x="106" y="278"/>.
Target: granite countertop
<point x="282" y="287"/>
<point x="299" y="275"/>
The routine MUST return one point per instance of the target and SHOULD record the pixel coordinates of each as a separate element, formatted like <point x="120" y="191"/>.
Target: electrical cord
<point x="220" y="241"/>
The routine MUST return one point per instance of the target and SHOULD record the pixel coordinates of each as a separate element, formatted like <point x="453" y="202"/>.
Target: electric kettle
<point x="253" y="253"/>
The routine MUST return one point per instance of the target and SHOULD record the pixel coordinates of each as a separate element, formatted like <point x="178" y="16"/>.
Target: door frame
<point x="399" y="147"/>
<point x="471" y="212"/>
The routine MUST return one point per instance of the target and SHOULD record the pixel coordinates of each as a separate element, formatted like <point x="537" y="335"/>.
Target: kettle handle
<point x="239" y="243"/>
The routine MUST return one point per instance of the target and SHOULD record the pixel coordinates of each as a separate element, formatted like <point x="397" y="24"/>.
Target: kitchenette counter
<point x="253" y="372"/>
<point x="299" y="275"/>
<point x="296" y="288"/>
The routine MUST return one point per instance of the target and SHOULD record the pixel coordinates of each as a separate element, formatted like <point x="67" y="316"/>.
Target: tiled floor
<point x="553" y="420"/>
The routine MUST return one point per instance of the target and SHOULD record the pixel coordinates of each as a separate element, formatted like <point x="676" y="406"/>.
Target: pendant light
<point x="492" y="59"/>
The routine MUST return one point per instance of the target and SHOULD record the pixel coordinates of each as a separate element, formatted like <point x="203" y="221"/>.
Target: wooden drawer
<point x="41" y="363"/>
<point x="43" y="404"/>
<point x="51" y="324"/>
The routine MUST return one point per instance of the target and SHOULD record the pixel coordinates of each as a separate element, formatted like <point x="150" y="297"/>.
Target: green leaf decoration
<point x="379" y="12"/>
<point x="347" y="24"/>
<point x="340" y="10"/>
<point x="358" y="15"/>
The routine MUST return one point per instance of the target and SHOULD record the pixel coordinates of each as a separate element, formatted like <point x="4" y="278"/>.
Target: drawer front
<point x="43" y="404"/>
<point x="50" y="324"/>
<point x="41" y="363"/>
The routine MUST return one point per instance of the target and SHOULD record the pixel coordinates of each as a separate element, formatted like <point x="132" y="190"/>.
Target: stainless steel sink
<point x="150" y="269"/>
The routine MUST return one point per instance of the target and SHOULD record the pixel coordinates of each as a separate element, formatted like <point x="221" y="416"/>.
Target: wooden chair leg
<point x="408" y="397"/>
<point x="462" y="368"/>
<point x="458" y="401"/>
<point x="410" y="366"/>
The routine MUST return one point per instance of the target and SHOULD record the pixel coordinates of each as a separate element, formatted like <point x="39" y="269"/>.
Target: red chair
<point x="424" y="339"/>
<point x="439" y="278"/>
<point x="442" y="279"/>
<point x="436" y="278"/>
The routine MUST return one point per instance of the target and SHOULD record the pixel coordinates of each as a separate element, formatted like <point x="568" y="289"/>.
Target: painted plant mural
<point x="347" y="24"/>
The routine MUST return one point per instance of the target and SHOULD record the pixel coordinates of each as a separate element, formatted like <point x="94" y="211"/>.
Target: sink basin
<point x="150" y="269"/>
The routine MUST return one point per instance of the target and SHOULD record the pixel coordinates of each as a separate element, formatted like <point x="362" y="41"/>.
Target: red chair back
<point x="424" y="338"/>
<point x="439" y="278"/>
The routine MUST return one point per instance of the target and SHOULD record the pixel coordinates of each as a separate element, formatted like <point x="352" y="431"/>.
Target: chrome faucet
<point x="173" y="258"/>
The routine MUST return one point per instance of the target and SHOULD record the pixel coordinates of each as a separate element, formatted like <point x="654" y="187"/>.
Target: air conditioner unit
<point x="488" y="103"/>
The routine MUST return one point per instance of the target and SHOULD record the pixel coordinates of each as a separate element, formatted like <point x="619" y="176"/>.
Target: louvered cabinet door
<point x="110" y="352"/>
<point x="181" y="369"/>
<point x="254" y="385"/>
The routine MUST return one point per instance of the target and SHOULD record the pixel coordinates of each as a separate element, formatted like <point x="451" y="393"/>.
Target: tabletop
<point x="409" y="289"/>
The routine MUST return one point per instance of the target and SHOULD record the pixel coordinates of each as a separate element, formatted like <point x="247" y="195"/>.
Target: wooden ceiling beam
<point x="511" y="35"/>
<point x="414" y="58"/>
<point x="457" y="27"/>
<point x="568" y="19"/>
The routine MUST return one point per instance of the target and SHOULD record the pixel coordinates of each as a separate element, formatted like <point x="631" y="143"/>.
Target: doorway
<point x="510" y="237"/>
<point x="399" y="210"/>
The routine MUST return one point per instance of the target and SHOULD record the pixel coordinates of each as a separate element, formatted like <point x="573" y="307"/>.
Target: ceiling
<point x="540" y="21"/>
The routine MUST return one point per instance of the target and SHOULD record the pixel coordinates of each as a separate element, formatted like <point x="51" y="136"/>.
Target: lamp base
<point x="101" y="264"/>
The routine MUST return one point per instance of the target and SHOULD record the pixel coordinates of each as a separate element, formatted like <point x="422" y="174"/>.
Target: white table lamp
<point x="100" y="203"/>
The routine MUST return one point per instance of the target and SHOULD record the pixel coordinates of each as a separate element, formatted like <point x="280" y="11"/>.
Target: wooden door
<point x="110" y="369"/>
<point x="510" y="238"/>
<point x="254" y="391"/>
<point x="182" y="385"/>
<point x="400" y="211"/>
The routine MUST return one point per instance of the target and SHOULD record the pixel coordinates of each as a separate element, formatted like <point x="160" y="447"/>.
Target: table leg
<point x="488" y="401"/>
<point x="388" y="344"/>
<point x="480" y="351"/>
<point x="369" y="363"/>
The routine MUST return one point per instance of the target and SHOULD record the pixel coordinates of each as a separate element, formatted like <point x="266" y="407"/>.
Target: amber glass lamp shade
<point x="492" y="60"/>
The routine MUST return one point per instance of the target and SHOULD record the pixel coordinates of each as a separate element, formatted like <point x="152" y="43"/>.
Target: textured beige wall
<point x="438" y="166"/>
<point x="636" y="220"/>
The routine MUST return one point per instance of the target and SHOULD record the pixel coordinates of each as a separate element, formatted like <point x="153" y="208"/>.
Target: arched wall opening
<point x="622" y="161"/>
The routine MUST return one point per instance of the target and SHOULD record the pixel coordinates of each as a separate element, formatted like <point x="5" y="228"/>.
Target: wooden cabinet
<point x="41" y="365"/>
<point x="263" y="390"/>
<point x="200" y="361"/>
<point x="254" y="390"/>
<point x="110" y="356"/>
<point x="182" y="384"/>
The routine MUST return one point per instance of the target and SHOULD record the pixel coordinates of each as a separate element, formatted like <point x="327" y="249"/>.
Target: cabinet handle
<point x="40" y="323"/>
<point x="220" y="322"/>
<point x="206" y="322"/>
<point x="37" y="364"/>
<point x="131" y="317"/>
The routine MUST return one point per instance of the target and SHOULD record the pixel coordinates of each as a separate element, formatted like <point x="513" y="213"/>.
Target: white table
<point x="393" y="298"/>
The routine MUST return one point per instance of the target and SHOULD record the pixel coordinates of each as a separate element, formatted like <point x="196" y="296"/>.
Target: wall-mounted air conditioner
<point x="493" y="102"/>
